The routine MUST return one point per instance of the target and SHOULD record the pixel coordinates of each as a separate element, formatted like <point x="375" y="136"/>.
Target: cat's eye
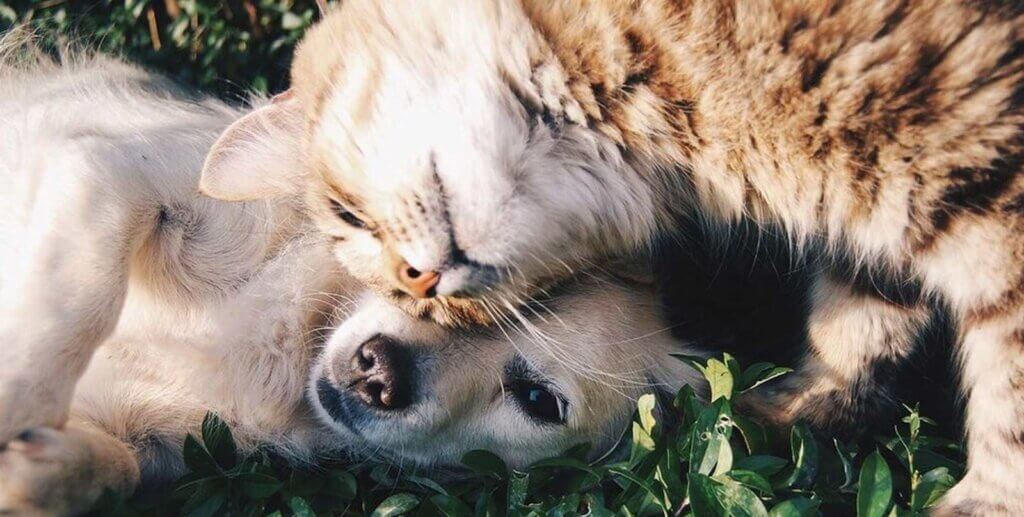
<point x="347" y="216"/>
<point x="538" y="401"/>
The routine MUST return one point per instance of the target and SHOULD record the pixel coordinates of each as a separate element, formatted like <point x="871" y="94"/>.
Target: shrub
<point x="229" y="47"/>
<point x="712" y="463"/>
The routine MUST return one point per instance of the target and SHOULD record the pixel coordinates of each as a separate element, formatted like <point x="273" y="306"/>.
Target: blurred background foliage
<point x="229" y="47"/>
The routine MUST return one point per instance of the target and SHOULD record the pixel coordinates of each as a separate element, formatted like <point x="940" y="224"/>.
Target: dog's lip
<point x="335" y="404"/>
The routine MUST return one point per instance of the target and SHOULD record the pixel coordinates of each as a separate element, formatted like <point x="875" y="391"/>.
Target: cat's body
<point x="502" y="146"/>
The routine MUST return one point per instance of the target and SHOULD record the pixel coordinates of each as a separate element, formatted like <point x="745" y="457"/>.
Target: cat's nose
<point x="382" y="372"/>
<point x="420" y="284"/>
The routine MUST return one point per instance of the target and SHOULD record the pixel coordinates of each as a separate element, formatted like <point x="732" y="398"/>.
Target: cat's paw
<point x="766" y="407"/>
<point x="46" y="471"/>
<point x="970" y="498"/>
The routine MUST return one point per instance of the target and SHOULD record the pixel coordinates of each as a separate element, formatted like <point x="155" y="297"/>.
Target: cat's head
<point x="453" y="179"/>
<point x="413" y="391"/>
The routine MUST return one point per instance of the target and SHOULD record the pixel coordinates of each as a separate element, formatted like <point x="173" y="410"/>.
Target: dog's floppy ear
<point x="259" y="156"/>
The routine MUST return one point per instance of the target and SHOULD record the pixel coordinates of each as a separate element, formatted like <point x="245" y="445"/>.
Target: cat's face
<point x="447" y="189"/>
<point x="455" y="208"/>
<point x="413" y="391"/>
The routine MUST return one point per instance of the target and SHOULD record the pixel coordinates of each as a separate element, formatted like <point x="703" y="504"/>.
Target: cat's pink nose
<point x="420" y="284"/>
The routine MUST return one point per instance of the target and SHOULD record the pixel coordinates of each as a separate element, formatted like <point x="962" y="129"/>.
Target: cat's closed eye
<point x="347" y="216"/>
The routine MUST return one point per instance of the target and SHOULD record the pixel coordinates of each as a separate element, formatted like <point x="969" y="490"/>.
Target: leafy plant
<point x="713" y="462"/>
<point x="229" y="46"/>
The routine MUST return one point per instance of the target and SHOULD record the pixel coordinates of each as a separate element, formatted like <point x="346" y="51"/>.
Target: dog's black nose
<point x="381" y="373"/>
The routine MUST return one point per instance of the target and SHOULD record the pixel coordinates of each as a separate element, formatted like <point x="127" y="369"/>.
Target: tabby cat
<point x="468" y="154"/>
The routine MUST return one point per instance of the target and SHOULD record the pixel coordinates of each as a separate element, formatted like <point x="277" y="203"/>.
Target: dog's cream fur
<point x="169" y="304"/>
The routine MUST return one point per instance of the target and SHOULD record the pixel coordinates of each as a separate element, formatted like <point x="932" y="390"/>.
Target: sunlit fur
<point x="601" y="346"/>
<point x="194" y="305"/>
<point x="556" y="132"/>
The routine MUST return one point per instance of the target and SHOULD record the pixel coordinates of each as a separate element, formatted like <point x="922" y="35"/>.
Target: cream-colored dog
<point x="130" y="306"/>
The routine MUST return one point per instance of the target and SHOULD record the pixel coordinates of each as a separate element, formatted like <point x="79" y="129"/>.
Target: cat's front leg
<point x="47" y="471"/>
<point x="993" y="376"/>
<point x="64" y="283"/>
<point x="852" y="333"/>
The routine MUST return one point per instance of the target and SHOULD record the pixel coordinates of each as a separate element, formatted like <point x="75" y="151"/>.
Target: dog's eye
<point x="345" y="215"/>
<point x="538" y="401"/>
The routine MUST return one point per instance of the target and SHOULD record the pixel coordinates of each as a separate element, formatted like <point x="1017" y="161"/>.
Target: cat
<point x="467" y="155"/>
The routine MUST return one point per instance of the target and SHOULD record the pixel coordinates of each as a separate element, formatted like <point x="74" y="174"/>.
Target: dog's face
<point x="412" y="390"/>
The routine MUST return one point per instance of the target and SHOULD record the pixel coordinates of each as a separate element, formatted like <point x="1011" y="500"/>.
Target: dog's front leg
<point x="64" y="283"/>
<point x="64" y="472"/>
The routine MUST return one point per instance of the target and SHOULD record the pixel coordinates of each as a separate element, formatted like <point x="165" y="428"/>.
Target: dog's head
<point x="412" y="390"/>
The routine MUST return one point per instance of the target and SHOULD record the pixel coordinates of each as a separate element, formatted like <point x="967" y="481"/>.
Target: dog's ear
<point x="259" y="156"/>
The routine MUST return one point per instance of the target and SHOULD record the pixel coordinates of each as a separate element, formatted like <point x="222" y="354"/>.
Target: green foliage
<point x="705" y="466"/>
<point x="228" y="46"/>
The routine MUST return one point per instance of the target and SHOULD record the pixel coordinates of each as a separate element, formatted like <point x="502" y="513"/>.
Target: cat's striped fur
<point x="882" y="134"/>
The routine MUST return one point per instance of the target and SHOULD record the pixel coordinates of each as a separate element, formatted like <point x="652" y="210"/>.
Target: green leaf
<point x="486" y="463"/>
<point x="257" y="485"/>
<point x="300" y="507"/>
<point x="728" y="498"/>
<point x="753" y="373"/>
<point x="197" y="458"/>
<point x="518" y="486"/>
<point x="636" y="480"/>
<point x="645" y="408"/>
<point x="209" y="497"/>
<point x="766" y="376"/>
<point x="396" y="505"/>
<point x="805" y="458"/>
<point x="795" y="507"/>
<point x="703" y="497"/>
<point x="669" y="473"/>
<point x="875" y="491"/>
<point x="218" y="441"/>
<point x="695" y="362"/>
<point x="720" y="379"/>
<point x="450" y="506"/>
<point x="762" y="464"/>
<point x="427" y="483"/>
<point x="643" y="444"/>
<point x="563" y="462"/>
<point x="932" y="485"/>
<point x="7" y="13"/>
<point x="710" y="433"/>
<point x="846" y="459"/>
<point x="752" y="480"/>
<point x="341" y="484"/>
<point x="754" y="436"/>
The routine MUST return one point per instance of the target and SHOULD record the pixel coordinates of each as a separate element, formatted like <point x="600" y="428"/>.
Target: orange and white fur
<point x="468" y="154"/>
<point x="169" y="304"/>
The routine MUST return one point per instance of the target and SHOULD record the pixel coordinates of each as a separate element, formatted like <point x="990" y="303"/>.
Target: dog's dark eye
<point x="345" y="215"/>
<point x="538" y="401"/>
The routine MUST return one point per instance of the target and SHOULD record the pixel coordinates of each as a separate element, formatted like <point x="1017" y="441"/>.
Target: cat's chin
<point x="445" y="310"/>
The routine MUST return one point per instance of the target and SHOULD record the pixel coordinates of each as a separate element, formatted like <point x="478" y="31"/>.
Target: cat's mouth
<point x="494" y="305"/>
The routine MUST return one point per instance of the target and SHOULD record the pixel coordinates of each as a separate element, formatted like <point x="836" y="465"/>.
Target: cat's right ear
<point x="259" y="156"/>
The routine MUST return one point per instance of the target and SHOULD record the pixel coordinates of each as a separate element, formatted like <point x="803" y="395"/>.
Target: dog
<point x="130" y="306"/>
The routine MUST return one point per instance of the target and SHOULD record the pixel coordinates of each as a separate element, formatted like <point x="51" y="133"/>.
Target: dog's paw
<point x="46" y="471"/>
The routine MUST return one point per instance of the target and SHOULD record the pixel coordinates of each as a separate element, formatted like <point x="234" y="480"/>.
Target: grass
<point x="710" y="462"/>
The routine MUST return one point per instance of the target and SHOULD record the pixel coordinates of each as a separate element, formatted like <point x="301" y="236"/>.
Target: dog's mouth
<point x="341" y="406"/>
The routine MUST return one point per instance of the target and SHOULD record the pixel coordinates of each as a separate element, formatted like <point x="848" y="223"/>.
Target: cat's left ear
<point x="259" y="156"/>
